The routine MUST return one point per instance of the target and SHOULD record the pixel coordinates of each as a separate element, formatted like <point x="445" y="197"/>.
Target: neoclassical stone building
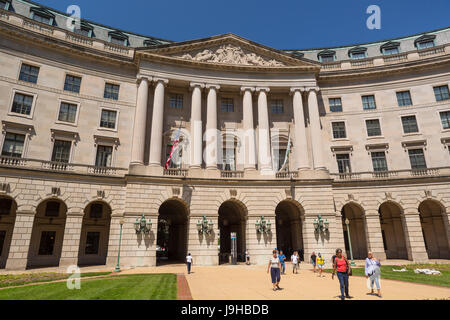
<point x="89" y="115"/>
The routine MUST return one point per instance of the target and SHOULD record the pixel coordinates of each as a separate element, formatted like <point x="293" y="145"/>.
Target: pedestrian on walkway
<point x="295" y="262"/>
<point x="247" y="257"/>
<point x="275" y="268"/>
<point x="320" y="263"/>
<point x="282" y="258"/>
<point x="189" y="262"/>
<point x="313" y="261"/>
<point x="332" y="259"/>
<point x="373" y="271"/>
<point x="343" y="269"/>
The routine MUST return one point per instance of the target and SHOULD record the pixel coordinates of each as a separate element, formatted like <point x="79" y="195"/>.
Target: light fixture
<point x="320" y="224"/>
<point x="142" y="225"/>
<point x="204" y="226"/>
<point x="263" y="225"/>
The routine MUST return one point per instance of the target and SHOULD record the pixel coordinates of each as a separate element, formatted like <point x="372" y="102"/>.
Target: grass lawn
<point x="11" y="280"/>
<point x="442" y="280"/>
<point x="126" y="287"/>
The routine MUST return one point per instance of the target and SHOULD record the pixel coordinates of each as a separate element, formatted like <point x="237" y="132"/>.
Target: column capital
<point x="212" y="86"/>
<point x="309" y="89"/>
<point x="163" y="80"/>
<point x="294" y="89"/>
<point x="251" y="89"/>
<point x="260" y="89"/>
<point x="139" y="79"/>
<point x="192" y="85"/>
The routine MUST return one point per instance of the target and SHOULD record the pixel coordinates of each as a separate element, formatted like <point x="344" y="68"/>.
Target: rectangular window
<point x="67" y="112"/>
<point x="5" y="206"/>
<point x="389" y="51"/>
<point x="277" y="106"/>
<point x="13" y="145"/>
<point x="229" y="159"/>
<point x="47" y="243"/>
<point x="280" y="155"/>
<point x="327" y="58"/>
<point x="22" y="104"/>
<point x="52" y="209"/>
<point x="41" y="18"/>
<point x="445" y="119"/>
<point x="227" y="105"/>
<point x="373" y="127"/>
<point x="83" y="31"/>
<point x="358" y="55"/>
<point x="104" y="156"/>
<point x="72" y="83"/>
<point x="2" y="236"/>
<point x="96" y="211"/>
<point x="61" y="151"/>
<point x="425" y="44"/>
<point x="343" y="162"/>
<point x="176" y="101"/>
<point x="4" y="4"/>
<point x="369" y="102"/>
<point x="335" y="104"/>
<point x="108" y="119"/>
<point x="409" y="124"/>
<point x="417" y="159"/>
<point x="379" y="161"/>
<point x="339" y="130"/>
<point x="111" y="91"/>
<point x="441" y="93"/>
<point x="92" y="242"/>
<point x="29" y="73"/>
<point x="404" y="98"/>
<point x="117" y="40"/>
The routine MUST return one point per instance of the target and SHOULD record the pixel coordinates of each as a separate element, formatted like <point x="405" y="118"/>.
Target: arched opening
<point x="94" y="237"/>
<point x="232" y="218"/>
<point x="172" y="234"/>
<point x="358" y="240"/>
<point x="289" y="228"/>
<point x="434" y="229"/>
<point x="392" y="231"/>
<point x="48" y="234"/>
<point x="8" y="208"/>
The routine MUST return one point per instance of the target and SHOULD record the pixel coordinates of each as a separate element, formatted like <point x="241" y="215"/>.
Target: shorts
<point x="313" y="263"/>
<point x="275" y="274"/>
<point x="320" y="266"/>
<point x="295" y="265"/>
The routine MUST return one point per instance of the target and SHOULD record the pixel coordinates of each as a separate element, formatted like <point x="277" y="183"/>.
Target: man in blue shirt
<point x="282" y="258"/>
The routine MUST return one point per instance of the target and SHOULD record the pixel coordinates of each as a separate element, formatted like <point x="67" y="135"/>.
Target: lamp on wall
<point x="204" y="227"/>
<point x="263" y="225"/>
<point x="320" y="224"/>
<point x="142" y="225"/>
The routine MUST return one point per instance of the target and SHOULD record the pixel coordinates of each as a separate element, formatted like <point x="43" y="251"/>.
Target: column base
<point x="66" y="262"/>
<point x="16" y="264"/>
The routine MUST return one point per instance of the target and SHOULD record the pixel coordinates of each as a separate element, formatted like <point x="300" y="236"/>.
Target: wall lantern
<point x="263" y="226"/>
<point x="320" y="224"/>
<point x="204" y="227"/>
<point x="142" y="225"/>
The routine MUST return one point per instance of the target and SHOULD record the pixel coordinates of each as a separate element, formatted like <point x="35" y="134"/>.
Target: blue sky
<point x="282" y="24"/>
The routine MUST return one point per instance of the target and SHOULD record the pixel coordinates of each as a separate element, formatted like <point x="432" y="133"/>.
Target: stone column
<point x="71" y="240"/>
<point x="196" y="125"/>
<point x="211" y="151"/>
<point x="300" y="142"/>
<point x="20" y="242"/>
<point x="249" y="130"/>
<point x="316" y="132"/>
<point x="140" y="124"/>
<point x="157" y="123"/>
<point x="264" y="143"/>
<point x="415" y="244"/>
<point x="374" y="235"/>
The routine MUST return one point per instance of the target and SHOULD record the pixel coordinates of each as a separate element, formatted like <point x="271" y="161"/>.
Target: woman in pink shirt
<point x="343" y="269"/>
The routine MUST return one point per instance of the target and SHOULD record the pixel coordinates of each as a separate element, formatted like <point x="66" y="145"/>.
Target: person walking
<point x="295" y="261"/>
<point x="373" y="271"/>
<point x="247" y="257"/>
<point x="189" y="263"/>
<point x="275" y="269"/>
<point x="282" y="258"/>
<point x="313" y="261"/>
<point x="320" y="263"/>
<point x="343" y="269"/>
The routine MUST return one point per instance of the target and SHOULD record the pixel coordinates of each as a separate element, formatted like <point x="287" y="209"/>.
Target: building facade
<point x="338" y="148"/>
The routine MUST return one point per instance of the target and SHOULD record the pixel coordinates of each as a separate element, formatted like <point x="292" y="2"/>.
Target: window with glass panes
<point x="47" y="243"/>
<point x="339" y="130"/>
<point x="358" y="55"/>
<point x="373" y="127"/>
<point x="96" y="211"/>
<point x="52" y="209"/>
<point x="343" y="162"/>
<point x="279" y="157"/>
<point x="425" y="44"/>
<point x="118" y="40"/>
<point x="4" y="4"/>
<point x="409" y="124"/>
<point x="72" y="83"/>
<point x="104" y="156"/>
<point x="441" y="93"/>
<point x="111" y="91"/>
<point x="22" y="104"/>
<point x="108" y="119"/>
<point x="229" y="159"/>
<point x="176" y="101"/>
<point x="61" y="151"/>
<point x="417" y="159"/>
<point x="83" y="31"/>
<point x="277" y="106"/>
<point x="42" y="18"/>
<point x="13" y="145"/>
<point x="335" y="104"/>
<point x="327" y="58"/>
<point x="445" y="119"/>
<point x="92" y="243"/>
<point x="227" y="105"/>
<point x="67" y="112"/>
<point x="379" y="161"/>
<point x="392" y="50"/>
<point x="29" y="73"/>
<point x="369" y="102"/>
<point x="404" y="98"/>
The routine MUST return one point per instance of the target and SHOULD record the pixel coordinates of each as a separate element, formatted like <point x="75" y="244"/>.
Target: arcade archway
<point x="434" y="229"/>
<point x="232" y="218"/>
<point x="8" y="208"/>
<point x="289" y="227"/>
<point x="355" y="215"/>
<point x="392" y="231"/>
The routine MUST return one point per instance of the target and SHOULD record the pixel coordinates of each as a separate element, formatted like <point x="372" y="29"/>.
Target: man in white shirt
<point x="294" y="259"/>
<point x="189" y="262"/>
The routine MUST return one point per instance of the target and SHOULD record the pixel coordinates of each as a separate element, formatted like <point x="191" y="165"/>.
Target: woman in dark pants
<point x="343" y="269"/>
<point x="275" y="270"/>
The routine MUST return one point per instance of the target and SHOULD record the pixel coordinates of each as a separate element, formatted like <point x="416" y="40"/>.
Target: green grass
<point x="126" y="287"/>
<point x="442" y="280"/>
<point x="11" y="280"/>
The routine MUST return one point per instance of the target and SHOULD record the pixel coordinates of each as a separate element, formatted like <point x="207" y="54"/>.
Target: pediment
<point x="227" y="50"/>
